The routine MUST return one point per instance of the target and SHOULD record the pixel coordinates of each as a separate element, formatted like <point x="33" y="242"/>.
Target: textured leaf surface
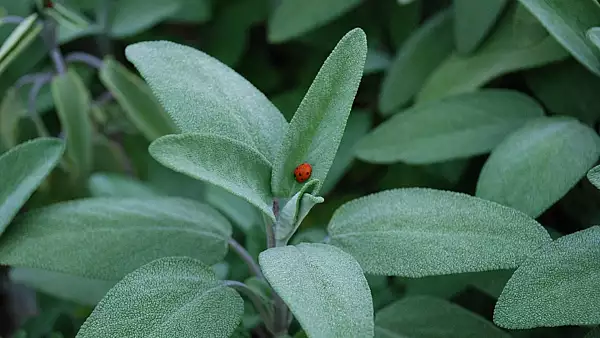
<point x="293" y="18"/>
<point x="11" y="111"/>
<point x="106" y="238"/>
<point x="138" y="101"/>
<point x="23" y="168"/>
<point x="168" y="296"/>
<point x="242" y="213"/>
<point x="294" y="211"/>
<point x="456" y="127"/>
<point x="568" y="22"/>
<point x="474" y="19"/>
<point x="514" y="45"/>
<point x="226" y="163"/>
<point x="594" y="176"/>
<point x="559" y="285"/>
<point x="72" y="106"/>
<point x="317" y="127"/>
<point x="418" y="57"/>
<point x="324" y="287"/>
<point x="430" y="317"/>
<point x="203" y="95"/>
<point x="110" y="184"/>
<point x="538" y="164"/>
<point x="423" y="232"/>
<point x="135" y="16"/>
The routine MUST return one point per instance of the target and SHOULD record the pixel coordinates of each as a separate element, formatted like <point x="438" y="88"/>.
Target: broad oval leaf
<point x="558" y="285"/>
<point x="97" y="234"/>
<point x="72" y="106"/>
<point x="455" y="127"/>
<point x="116" y="185"/>
<point x="511" y="47"/>
<point x="418" y="57"/>
<point x="224" y="162"/>
<point x="173" y="296"/>
<point x="138" y="101"/>
<point x="473" y="21"/>
<point x="317" y="127"/>
<point x="23" y="168"/>
<point x="20" y="38"/>
<point x="538" y="164"/>
<point x="203" y="95"/>
<point x="293" y="18"/>
<point x="568" y="22"/>
<point x="423" y="232"/>
<point x="135" y="16"/>
<point x="594" y="176"/>
<point x="11" y="111"/>
<point x="324" y="288"/>
<point x="430" y="317"/>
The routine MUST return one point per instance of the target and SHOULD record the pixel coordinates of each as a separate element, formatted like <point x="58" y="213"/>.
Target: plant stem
<point x="280" y="309"/>
<point x="257" y="301"/>
<point x="103" y="19"/>
<point x="49" y="35"/>
<point x="245" y="256"/>
<point x="57" y="59"/>
<point x="30" y="78"/>
<point x="86" y="58"/>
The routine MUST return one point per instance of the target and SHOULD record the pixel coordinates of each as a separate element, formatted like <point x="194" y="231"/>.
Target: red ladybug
<point x="303" y="172"/>
<point x="48" y="4"/>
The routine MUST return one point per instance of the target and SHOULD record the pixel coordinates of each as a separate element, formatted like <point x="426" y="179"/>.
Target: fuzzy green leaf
<point x="221" y="161"/>
<point x="594" y="176"/>
<point x="538" y="164"/>
<point x="23" y="168"/>
<point x="138" y="101"/>
<point x="193" y="11"/>
<point x="20" y="38"/>
<point x="72" y="106"/>
<point x="324" y="288"/>
<point x="568" y="22"/>
<point x="317" y="127"/>
<point x="418" y="57"/>
<point x="293" y="18"/>
<point x="474" y="19"/>
<point x="456" y="127"/>
<point x="116" y="185"/>
<point x="430" y="317"/>
<point x="11" y="111"/>
<point x="203" y="95"/>
<point x="96" y="234"/>
<point x="173" y="296"/>
<point x="294" y="211"/>
<point x="516" y="44"/>
<point x="243" y="214"/>
<point x="558" y="285"/>
<point x="593" y="34"/>
<point x="135" y="16"/>
<point x="423" y="232"/>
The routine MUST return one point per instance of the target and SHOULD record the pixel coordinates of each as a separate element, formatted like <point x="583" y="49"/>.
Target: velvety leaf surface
<point x="169" y="296"/>
<point x="72" y="106"/>
<point x="293" y="18"/>
<point x="568" y="22"/>
<point x="106" y="238"/>
<point x="517" y="43"/>
<point x="226" y="163"/>
<point x="538" y="164"/>
<point x="558" y="285"/>
<point x="594" y="176"/>
<point x="203" y="95"/>
<point x="422" y="232"/>
<point x="455" y="127"/>
<point x="428" y="317"/>
<point x="137" y="100"/>
<point x="317" y="127"/>
<point x="474" y="19"/>
<point x="324" y="287"/>
<point x="111" y="184"/>
<point x="419" y="56"/>
<point x="242" y="213"/>
<point x="294" y="211"/>
<point x="23" y="169"/>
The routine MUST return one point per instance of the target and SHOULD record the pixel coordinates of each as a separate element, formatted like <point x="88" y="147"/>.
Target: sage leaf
<point x="473" y="21"/>
<point x="72" y="106"/>
<point x="193" y="11"/>
<point x="293" y="18"/>
<point x="243" y="214"/>
<point x="23" y="169"/>
<point x="116" y="185"/>
<point x="426" y="48"/>
<point x="594" y="176"/>
<point x="221" y="161"/>
<point x="424" y="232"/>
<point x="135" y="16"/>
<point x="456" y="127"/>
<point x="324" y="288"/>
<point x="294" y="211"/>
<point x="203" y="95"/>
<point x="511" y="47"/>
<point x="424" y="316"/>
<point x="568" y="23"/>
<point x="17" y="42"/>
<point x="317" y="127"/>
<point x="593" y="34"/>
<point x="137" y="100"/>
<point x="518" y="173"/>
<point x="172" y="295"/>
<point x="558" y="285"/>
<point x="96" y="233"/>
<point x="11" y="111"/>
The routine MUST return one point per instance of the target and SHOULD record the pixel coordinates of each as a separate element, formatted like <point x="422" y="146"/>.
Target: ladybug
<point x="48" y="4"/>
<point x="303" y="172"/>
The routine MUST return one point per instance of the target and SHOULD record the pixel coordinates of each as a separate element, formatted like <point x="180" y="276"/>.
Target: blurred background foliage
<point x="419" y="50"/>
